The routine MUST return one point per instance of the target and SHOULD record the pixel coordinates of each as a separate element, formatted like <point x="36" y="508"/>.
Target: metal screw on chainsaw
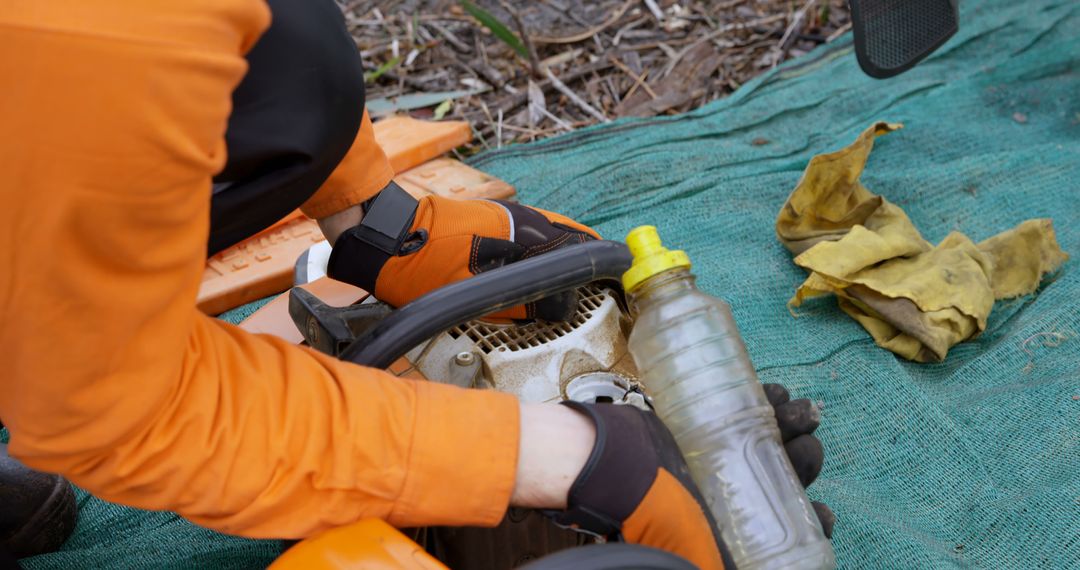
<point x="465" y="359"/>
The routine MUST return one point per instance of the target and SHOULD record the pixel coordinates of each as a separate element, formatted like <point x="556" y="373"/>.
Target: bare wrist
<point x="334" y="225"/>
<point x="555" y="444"/>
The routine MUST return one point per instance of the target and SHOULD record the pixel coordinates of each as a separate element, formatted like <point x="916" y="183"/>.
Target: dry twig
<point x="590" y="32"/>
<point x="534" y="60"/>
<point x="785" y="40"/>
<point x="562" y="88"/>
<point x="639" y="80"/>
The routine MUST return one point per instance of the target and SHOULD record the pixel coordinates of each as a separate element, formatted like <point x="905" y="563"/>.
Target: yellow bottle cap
<point x="650" y="256"/>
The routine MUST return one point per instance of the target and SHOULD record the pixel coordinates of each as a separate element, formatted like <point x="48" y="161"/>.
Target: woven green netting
<point x="974" y="462"/>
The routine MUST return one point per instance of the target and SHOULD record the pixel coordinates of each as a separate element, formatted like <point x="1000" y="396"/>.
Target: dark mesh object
<point x="891" y="36"/>
<point x="612" y="556"/>
<point x="522" y="536"/>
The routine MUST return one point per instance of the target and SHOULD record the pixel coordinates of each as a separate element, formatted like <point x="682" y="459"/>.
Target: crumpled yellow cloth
<point x="914" y="298"/>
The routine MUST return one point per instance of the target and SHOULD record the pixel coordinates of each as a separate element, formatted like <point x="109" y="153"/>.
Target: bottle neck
<point x="660" y="287"/>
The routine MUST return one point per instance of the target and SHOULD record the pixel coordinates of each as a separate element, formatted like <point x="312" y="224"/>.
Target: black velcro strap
<point x="387" y="219"/>
<point x="361" y="251"/>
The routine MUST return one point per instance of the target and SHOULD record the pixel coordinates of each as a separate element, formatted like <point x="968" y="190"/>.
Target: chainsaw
<point x="589" y="358"/>
<point x="442" y="337"/>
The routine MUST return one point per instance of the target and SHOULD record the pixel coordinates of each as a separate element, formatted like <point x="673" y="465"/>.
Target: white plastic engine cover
<point x="537" y="361"/>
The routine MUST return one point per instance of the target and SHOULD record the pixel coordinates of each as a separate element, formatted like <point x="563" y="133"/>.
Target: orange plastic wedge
<point x="453" y="179"/>
<point x="409" y="142"/>
<point x="256" y="267"/>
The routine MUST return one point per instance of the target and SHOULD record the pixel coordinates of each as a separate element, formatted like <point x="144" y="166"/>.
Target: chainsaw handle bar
<point x="491" y="291"/>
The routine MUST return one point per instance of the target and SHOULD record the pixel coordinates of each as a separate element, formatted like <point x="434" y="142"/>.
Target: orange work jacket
<point x="112" y="122"/>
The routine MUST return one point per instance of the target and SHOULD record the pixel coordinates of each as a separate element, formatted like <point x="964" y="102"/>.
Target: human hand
<point x="636" y="485"/>
<point x="405" y="248"/>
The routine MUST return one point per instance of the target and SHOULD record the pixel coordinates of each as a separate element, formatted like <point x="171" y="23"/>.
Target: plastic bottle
<point x="694" y="366"/>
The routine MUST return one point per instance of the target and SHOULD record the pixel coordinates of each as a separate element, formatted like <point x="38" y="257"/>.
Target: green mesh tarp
<point x="974" y="462"/>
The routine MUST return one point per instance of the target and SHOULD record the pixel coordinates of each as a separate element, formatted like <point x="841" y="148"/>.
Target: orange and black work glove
<point x="636" y="486"/>
<point x="405" y="248"/>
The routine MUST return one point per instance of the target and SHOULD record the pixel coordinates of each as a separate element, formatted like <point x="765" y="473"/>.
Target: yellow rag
<point x="914" y="298"/>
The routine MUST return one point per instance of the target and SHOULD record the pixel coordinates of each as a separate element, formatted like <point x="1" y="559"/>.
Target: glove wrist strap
<point x="361" y="251"/>
<point x="616" y="476"/>
<point x="387" y="219"/>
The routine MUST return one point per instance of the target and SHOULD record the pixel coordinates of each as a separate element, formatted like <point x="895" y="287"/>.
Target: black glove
<point x="636" y="485"/>
<point x="797" y="420"/>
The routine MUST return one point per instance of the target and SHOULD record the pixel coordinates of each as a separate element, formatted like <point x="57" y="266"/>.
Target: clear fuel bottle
<point x="694" y="366"/>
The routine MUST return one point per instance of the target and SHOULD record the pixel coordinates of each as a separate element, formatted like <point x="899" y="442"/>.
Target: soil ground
<point x="578" y="62"/>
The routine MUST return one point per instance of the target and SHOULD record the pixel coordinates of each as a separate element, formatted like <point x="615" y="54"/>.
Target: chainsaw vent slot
<point x="491" y="338"/>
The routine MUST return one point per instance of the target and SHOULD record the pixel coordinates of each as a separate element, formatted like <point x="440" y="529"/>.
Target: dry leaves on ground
<point x="578" y="63"/>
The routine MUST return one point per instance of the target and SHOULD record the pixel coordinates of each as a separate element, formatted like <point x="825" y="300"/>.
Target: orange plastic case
<point x="370" y="544"/>
<point x="263" y="264"/>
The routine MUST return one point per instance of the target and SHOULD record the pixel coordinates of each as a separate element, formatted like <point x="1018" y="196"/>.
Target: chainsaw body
<point x="585" y="359"/>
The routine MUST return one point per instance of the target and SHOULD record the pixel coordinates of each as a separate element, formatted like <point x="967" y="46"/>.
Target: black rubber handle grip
<point x="522" y="282"/>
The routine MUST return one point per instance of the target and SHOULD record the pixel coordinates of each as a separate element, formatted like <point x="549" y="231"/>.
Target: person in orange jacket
<point x="138" y="139"/>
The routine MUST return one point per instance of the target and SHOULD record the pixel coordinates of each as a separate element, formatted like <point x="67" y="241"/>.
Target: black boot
<point x="37" y="510"/>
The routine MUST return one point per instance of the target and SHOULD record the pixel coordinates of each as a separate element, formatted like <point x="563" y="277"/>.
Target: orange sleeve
<point x="110" y="129"/>
<point x="360" y="175"/>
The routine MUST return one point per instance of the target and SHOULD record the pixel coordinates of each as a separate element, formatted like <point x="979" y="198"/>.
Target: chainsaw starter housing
<point x="584" y="359"/>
